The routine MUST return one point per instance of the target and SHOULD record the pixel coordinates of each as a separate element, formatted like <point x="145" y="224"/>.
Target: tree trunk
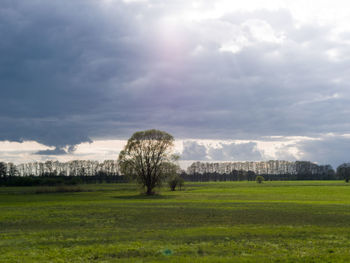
<point x="149" y="191"/>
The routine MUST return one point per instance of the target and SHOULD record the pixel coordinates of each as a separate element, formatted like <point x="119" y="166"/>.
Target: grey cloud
<point x="235" y="152"/>
<point x="75" y="70"/>
<point x="333" y="150"/>
<point x="57" y="61"/>
<point x="192" y="150"/>
<point x="56" y="151"/>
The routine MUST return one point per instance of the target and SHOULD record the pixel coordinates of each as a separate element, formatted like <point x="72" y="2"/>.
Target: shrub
<point x="175" y="181"/>
<point x="181" y="182"/>
<point x="259" y="179"/>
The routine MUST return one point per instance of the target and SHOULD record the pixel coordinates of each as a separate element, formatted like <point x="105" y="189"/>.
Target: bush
<point x="175" y="181"/>
<point x="181" y="182"/>
<point x="259" y="179"/>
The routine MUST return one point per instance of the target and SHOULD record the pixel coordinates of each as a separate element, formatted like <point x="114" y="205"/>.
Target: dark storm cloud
<point x="75" y="70"/>
<point x="58" y="59"/>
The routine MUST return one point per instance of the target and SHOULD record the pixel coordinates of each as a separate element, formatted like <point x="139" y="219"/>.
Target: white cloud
<point x="26" y="146"/>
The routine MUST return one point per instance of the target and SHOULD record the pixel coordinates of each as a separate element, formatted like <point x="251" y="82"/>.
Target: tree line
<point x="240" y="175"/>
<point x="147" y="158"/>
<point x="9" y="176"/>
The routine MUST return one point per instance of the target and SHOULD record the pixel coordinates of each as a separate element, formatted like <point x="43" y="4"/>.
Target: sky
<point x="230" y="80"/>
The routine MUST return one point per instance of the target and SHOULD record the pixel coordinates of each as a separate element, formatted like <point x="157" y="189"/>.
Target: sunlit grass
<point x="305" y="221"/>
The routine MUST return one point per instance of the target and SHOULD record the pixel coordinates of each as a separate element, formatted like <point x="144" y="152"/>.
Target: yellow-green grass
<point x="305" y="221"/>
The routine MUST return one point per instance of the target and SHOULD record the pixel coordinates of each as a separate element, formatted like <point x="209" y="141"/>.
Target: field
<point x="305" y="221"/>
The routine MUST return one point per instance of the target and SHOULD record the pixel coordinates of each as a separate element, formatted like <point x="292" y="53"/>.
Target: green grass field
<point x="207" y="222"/>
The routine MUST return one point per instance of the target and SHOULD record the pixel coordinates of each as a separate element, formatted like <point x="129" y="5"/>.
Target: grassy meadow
<point x="299" y="221"/>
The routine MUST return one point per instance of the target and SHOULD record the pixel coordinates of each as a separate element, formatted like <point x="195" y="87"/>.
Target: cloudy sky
<point x="231" y="80"/>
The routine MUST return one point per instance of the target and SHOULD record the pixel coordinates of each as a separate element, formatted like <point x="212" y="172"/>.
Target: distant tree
<point x="3" y="170"/>
<point x="171" y="169"/>
<point x="172" y="182"/>
<point x="259" y="179"/>
<point x="82" y="171"/>
<point x="175" y="181"/>
<point x="250" y="175"/>
<point x="181" y="182"/>
<point x="12" y="169"/>
<point x="62" y="173"/>
<point x="146" y="158"/>
<point x="49" y="166"/>
<point x="343" y="171"/>
<point x="101" y="174"/>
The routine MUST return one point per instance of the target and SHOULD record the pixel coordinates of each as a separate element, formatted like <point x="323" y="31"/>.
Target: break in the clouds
<point x="78" y="71"/>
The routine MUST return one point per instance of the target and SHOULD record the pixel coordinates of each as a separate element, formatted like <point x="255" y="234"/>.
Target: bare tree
<point x="12" y="170"/>
<point x="3" y="170"/>
<point x="146" y="157"/>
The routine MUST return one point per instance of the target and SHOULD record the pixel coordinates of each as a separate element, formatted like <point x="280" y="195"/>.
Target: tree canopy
<point x="343" y="171"/>
<point x="146" y="158"/>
